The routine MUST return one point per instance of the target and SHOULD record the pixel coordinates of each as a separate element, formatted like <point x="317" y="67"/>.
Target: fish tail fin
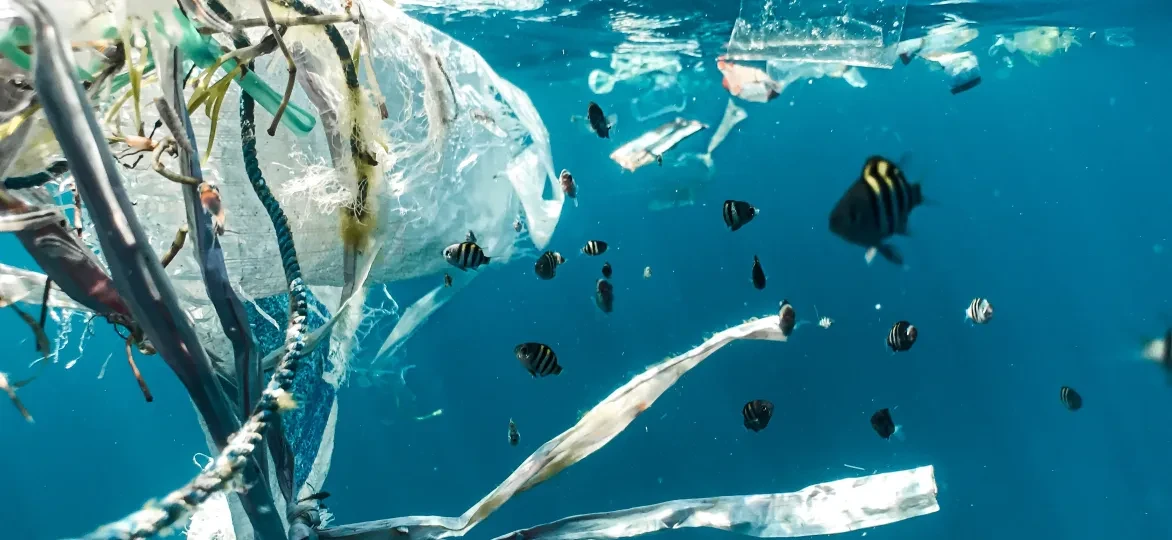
<point x="900" y="434"/>
<point x="889" y="252"/>
<point x="612" y="121"/>
<point x="557" y="369"/>
<point x="487" y="259"/>
<point x="575" y="202"/>
<point x="869" y="256"/>
<point x="916" y="194"/>
<point x="706" y="159"/>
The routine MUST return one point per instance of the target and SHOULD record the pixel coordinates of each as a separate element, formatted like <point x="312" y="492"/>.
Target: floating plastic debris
<point x="851" y="32"/>
<point x="1035" y="44"/>
<point x="747" y="82"/>
<point x="857" y="503"/>
<point x="626" y="66"/>
<point x="666" y="97"/>
<point x="650" y="147"/>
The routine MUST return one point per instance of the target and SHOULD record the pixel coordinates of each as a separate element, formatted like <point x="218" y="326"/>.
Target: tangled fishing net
<point x="461" y="149"/>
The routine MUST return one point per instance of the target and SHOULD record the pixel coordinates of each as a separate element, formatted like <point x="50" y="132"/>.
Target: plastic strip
<point x="20" y="285"/>
<point x="650" y="146"/>
<point x="834" y="507"/>
<point x="596" y="428"/>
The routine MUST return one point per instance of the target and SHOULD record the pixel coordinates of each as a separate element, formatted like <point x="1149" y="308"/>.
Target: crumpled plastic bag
<point x="436" y="184"/>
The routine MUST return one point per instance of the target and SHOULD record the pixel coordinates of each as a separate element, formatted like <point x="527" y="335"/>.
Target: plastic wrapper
<point x="834" y="507"/>
<point x="629" y="65"/>
<point x="597" y="427"/>
<point x="747" y="82"/>
<point x="1035" y="44"/>
<point x="650" y="147"/>
<point x="787" y="73"/>
<point x="962" y="68"/>
<point x="438" y="177"/>
<point x="850" y="32"/>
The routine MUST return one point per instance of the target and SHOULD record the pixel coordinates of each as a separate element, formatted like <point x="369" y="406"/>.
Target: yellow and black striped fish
<point x="594" y="247"/>
<point x="539" y="360"/>
<point x="546" y="266"/>
<point x="465" y="255"/>
<point x="875" y="208"/>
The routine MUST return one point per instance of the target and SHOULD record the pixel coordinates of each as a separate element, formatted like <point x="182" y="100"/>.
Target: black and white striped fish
<point x="738" y="213"/>
<point x="757" y="414"/>
<point x="594" y="247"/>
<point x="547" y="264"/>
<point x="902" y="336"/>
<point x="875" y="208"/>
<point x="539" y="360"/>
<point x="465" y="255"/>
<point x="514" y="435"/>
<point x="1070" y="398"/>
<point x="787" y="317"/>
<point x="980" y="311"/>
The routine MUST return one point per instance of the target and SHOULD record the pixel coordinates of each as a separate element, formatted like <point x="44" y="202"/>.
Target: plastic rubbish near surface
<point x="939" y="49"/>
<point x="441" y="175"/>
<point x="650" y="147"/>
<point x="849" y="32"/>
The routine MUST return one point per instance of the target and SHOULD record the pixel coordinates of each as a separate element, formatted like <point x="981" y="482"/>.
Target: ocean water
<point x="1049" y="193"/>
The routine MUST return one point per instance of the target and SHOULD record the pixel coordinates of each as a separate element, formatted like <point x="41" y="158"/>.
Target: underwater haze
<point x="1046" y="193"/>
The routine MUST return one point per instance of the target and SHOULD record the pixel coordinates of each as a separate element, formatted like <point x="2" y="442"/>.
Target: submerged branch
<point x="146" y="392"/>
<point x="176" y="245"/>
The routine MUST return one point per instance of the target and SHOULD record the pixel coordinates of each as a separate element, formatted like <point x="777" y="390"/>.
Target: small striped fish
<point x="738" y="213"/>
<point x="1070" y="398"/>
<point x="980" y="311"/>
<point x="539" y="360"/>
<point x="757" y="414"/>
<point x="902" y="336"/>
<point x="594" y="247"/>
<point x="875" y="208"/>
<point x="547" y="264"/>
<point x="465" y="255"/>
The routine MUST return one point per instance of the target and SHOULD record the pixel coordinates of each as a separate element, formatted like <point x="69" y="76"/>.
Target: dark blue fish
<point x="875" y="208"/>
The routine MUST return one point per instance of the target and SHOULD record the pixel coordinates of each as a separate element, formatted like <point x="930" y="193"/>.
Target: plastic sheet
<point x="596" y="428"/>
<point x="424" y="198"/>
<point x="650" y="147"/>
<point x="850" y="32"/>
<point x="27" y="286"/>
<point x="630" y="65"/>
<point x="834" y="507"/>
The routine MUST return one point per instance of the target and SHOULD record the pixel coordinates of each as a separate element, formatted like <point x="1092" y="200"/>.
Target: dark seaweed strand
<point x="53" y="172"/>
<point x="351" y="72"/>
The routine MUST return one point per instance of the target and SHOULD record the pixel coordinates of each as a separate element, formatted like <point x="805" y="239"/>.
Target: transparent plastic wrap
<point x="462" y="149"/>
<point x="851" y="32"/>
<point x="440" y="176"/>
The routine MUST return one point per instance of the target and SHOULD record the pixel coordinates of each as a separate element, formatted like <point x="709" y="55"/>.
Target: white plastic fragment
<point x="834" y="507"/>
<point x="650" y="146"/>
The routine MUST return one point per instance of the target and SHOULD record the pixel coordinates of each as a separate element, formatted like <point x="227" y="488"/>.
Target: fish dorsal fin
<point x="471" y="237"/>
